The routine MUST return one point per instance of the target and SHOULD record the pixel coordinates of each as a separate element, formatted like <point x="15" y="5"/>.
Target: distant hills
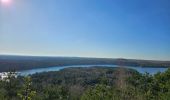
<point x="17" y="63"/>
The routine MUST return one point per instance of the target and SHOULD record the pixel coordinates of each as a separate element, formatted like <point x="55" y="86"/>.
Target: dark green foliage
<point x="138" y="87"/>
<point x="26" y="93"/>
<point x="88" y="84"/>
<point x="9" y="87"/>
<point x="99" y="92"/>
<point x="56" y="92"/>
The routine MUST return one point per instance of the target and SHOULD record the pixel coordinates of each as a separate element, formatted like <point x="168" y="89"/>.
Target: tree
<point x="26" y="92"/>
<point x="10" y="84"/>
<point x="54" y="92"/>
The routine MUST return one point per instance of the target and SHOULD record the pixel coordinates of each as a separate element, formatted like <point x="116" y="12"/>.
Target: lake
<point x="58" y="68"/>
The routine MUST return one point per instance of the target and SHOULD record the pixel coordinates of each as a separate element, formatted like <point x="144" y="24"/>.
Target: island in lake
<point x="19" y="63"/>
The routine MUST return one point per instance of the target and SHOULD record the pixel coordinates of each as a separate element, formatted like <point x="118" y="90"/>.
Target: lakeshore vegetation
<point x="19" y="63"/>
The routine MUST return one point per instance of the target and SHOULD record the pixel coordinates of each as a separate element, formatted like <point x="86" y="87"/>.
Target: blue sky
<point x="86" y="28"/>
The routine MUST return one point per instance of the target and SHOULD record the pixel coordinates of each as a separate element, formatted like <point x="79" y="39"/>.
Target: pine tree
<point x="27" y="93"/>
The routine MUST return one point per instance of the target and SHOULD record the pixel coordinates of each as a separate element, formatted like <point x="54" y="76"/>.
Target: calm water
<point x="139" y="69"/>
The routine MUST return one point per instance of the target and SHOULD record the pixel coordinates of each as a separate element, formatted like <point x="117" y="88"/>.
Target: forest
<point x="18" y="63"/>
<point x="87" y="84"/>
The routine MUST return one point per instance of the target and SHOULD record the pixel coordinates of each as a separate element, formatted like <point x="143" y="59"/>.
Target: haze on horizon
<point x="137" y="29"/>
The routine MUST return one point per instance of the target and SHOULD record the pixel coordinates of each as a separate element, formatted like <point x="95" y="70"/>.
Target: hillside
<point x="30" y="62"/>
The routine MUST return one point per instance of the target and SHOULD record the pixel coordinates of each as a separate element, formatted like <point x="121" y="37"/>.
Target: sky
<point x="135" y="29"/>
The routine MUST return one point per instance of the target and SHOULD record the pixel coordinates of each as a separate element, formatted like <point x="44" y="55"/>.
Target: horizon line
<point x="29" y="55"/>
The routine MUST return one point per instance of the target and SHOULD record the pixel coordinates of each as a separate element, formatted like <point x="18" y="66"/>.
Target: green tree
<point x="99" y="92"/>
<point x="26" y="92"/>
<point x="3" y="94"/>
<point x="54" y="92"/>
<point x="10" y="86"/>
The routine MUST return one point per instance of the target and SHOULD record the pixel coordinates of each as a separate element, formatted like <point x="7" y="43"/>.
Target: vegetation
<point x="26" y="93"/>
<point x="88" y="84"/>
<point x="32" y="62"/>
